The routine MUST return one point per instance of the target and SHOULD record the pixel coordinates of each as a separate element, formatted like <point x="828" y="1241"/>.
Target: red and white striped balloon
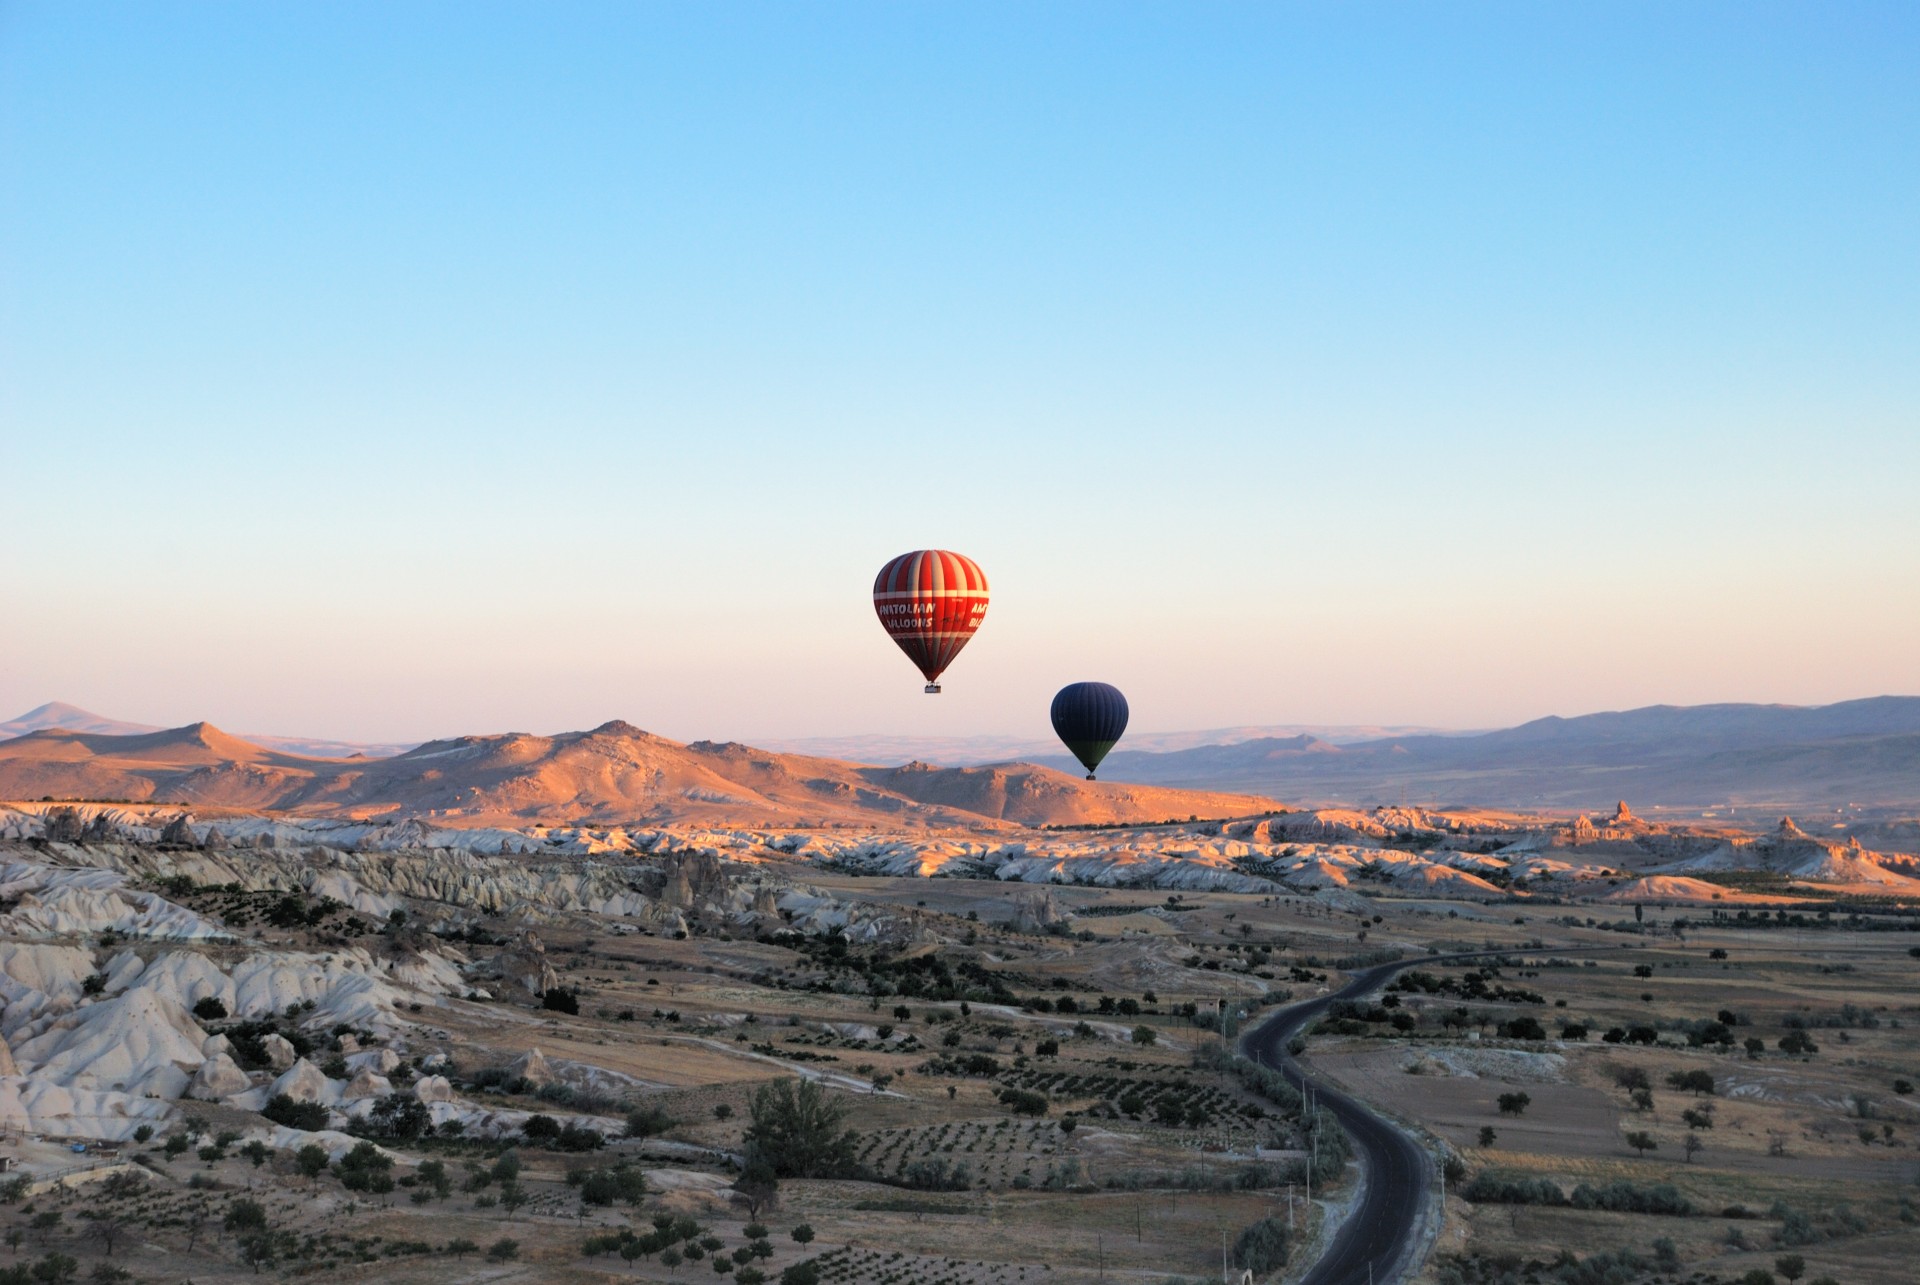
<point x="930" y="602"/>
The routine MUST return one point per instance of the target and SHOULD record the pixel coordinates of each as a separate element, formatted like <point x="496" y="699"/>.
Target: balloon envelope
<point x="930" y="601"/>
<point x="1088" y="718"/>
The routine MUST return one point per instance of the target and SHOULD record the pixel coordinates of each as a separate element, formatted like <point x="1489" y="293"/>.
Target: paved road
<point x="1380" y="1229"/>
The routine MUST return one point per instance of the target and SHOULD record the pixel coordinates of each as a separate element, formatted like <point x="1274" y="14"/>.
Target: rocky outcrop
<point x="532" y="1066"/>
<point x="523" y="961"/>
<point x="379" y="1061"/>
<point x="280" y="1051"/>
<point x="365" y="1084"/>
<point x="433" y="1088"/>
<point x="63" y="825"/>
<point x="1039" y="912"/>
<point x="218" y="1077"/>
<point x="304" y="1082"/>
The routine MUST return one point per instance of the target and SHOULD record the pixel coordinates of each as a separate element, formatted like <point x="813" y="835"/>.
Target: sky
<point x="385" y="371"/>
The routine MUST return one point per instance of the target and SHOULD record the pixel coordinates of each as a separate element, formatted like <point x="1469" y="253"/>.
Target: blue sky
<point x="396" y="370"/>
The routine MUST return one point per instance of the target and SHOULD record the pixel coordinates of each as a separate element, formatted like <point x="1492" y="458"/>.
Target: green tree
<point x="1791" y="1266"/>
<point x="308" y="1117"/>
<point x="433" y="1173"/>
<point x="245" y="1215"/>
<point x="1642" y="1142"/>
<point x="257" y="1251"/>
<point x="504" y="1250"/>
<point x="803" y="1234"/>
<point x="1262" y="1247"/>
<point x="311" y="1160"/>
<point x="365" y="1168"/>
<point x="54" y="1269"/>
<point x="799" y="1130"/>
<point x="512" y="1198"/>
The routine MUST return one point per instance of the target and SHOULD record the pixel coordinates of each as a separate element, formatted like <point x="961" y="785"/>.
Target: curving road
<point x="1372" y="1243"/>
<point x="1371" y="1247"/>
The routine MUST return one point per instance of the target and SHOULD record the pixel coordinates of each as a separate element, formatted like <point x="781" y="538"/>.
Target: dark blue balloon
<point x="1089" y="718"/>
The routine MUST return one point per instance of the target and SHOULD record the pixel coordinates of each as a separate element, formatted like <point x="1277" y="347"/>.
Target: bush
<point x="503" y="1250"/>
<point x="208" y="1008"/>
<point x="400" y="1115"/>
<point x="245" y="1215"/>
<point x="648" y="1122"/>
<point x="1493" y="1189"/>
<point x="308" y="1117"/>
<point x="1798" y="1042"/>
<point x="557" y="1000"/>
<point x="1691" y="1081"/>
<point x="1514" y="1103"/>
<point x="936" y="1173"/>
<point x="620" y="1183"/>
<point x="1625" y="1198"/>
<point x="1262" y="1248"/>
<point x="365" y="1168"/>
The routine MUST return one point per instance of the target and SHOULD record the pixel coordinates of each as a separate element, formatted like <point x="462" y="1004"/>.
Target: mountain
<point x="615" y="774"/>
<point x="58" y="715"/>
<point x="71" y="718"/>
<point x="1863" y="752"/>
<point x="963" y="750"/>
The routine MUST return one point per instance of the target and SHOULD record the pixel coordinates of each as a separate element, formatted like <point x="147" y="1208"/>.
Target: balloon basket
<point x="933" y="689"/>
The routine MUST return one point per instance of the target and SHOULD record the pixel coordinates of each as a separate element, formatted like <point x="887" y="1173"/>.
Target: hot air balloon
<point x="930" y="602"/>
<point x="1089" y="718"/>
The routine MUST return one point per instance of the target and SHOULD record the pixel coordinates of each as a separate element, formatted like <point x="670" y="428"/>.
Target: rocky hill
<point x="1864" y="752"/>
<point x="614" y="774"/>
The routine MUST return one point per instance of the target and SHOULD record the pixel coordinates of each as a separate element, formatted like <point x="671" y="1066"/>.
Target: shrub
<point x="1262" y="1247"/>
<point x="557" y="1000"/>
<point x="1493" y="1189"/>
<point x="400" y="1115"/>
<point x="620" y="1183"/>
<point x="1691" y="1081"/>
<point x="365" y="1168"/>
<point x="504" y="1250"/>
<point x="208" y="1008"/>
<point x="245" y="1215"/>
<point x="648" y="1122"/>
<point x="308" y="1117"/>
